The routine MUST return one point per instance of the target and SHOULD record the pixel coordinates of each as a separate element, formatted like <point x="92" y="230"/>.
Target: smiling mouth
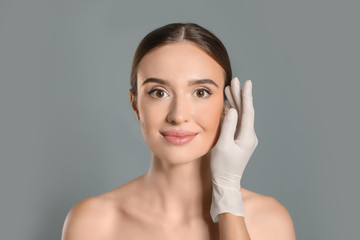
<point x="179" y="140"/>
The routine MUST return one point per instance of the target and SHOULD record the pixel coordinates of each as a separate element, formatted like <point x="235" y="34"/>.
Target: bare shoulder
<point x="91" y="218"/>
<point x="266" y="217"/>
<point x="99" y="217"/>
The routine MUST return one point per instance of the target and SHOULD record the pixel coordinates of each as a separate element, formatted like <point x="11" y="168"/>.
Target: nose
<point x="180" y="110"/>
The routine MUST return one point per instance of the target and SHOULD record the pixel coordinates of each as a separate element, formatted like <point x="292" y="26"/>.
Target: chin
<point x="178" y="156"/>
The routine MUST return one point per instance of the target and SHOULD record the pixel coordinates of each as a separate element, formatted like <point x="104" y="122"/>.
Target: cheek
<point x="151" y="115"/>
<point x="209" y="116"/>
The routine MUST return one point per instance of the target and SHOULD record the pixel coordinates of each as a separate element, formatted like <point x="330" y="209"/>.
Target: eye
<point x="201" y="92"/>
<point x="159" y="93"/>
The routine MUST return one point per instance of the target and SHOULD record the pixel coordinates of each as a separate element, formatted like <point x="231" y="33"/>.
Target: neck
<point x="183" y="191"/>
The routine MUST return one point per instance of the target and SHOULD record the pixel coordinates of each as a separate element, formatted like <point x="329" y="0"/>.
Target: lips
<point x="178" y="133"/>
<point x="178" y="136"/>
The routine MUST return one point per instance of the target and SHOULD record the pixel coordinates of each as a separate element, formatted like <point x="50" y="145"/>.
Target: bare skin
<point x="172" y="199"/>
<point x="123" y="214"/>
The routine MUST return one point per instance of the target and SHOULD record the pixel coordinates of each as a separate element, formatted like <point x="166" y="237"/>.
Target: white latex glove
<point x="236" y="143"/>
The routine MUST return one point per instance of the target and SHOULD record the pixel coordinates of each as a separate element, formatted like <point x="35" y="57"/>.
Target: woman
<point x="181" y="92"/>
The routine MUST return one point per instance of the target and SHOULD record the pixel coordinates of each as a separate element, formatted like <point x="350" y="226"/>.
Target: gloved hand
<point x="231" y="153"/>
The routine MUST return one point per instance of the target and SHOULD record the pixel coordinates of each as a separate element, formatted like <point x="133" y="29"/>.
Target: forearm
<point x="232" y="227"/>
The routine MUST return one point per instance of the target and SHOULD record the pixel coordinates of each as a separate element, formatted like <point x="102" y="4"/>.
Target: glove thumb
<point x="228" y="126"/>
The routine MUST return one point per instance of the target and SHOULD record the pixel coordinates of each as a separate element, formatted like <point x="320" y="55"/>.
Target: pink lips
<point x="179" y="137"/>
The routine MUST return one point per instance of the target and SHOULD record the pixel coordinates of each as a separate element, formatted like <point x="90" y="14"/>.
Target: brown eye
<point x="157" y="93"/>
<point x="202" y="92"/>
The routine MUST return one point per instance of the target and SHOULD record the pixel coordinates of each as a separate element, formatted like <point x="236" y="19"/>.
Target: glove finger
<point x="228" y="127"/>
<point x="228" y="105"/>
<point x="231" y="103"/>
<point x="248" y="113"/>
<point x="236" y="93"/>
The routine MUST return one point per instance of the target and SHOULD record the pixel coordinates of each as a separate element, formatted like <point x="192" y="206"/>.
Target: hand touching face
<point x="233" y="150"/>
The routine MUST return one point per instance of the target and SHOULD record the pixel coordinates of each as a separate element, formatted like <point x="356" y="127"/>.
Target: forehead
<point x="178" y="62"/>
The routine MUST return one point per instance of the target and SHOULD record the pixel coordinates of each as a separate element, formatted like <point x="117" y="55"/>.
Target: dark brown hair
<point x="179" y="32"/>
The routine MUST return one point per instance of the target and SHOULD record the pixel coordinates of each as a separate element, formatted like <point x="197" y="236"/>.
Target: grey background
<point x="67" y="130"/>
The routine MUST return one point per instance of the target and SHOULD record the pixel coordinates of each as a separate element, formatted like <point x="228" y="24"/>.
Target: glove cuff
<point x="226" y="200"/>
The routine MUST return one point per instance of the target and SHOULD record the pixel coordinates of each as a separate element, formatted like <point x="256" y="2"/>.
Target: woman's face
<point x="168" y="99"/>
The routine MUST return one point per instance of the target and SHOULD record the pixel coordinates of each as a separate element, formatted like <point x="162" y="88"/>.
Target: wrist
<point x="231" y="183"/>
<point x="226" y="200"/>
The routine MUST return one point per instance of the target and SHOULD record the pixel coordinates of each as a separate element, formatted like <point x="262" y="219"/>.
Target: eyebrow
<point x="190" y="83"/>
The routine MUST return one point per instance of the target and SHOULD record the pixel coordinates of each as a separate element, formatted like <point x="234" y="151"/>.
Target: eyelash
<point x="206" y="90"/>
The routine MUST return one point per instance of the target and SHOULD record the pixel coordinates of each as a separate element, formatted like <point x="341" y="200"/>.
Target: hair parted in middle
<point x="181" y="32"/>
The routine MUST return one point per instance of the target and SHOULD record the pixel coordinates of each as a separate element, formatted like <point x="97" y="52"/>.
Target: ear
<point x="133" y="102"/>
<point x="224" y="110"/>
